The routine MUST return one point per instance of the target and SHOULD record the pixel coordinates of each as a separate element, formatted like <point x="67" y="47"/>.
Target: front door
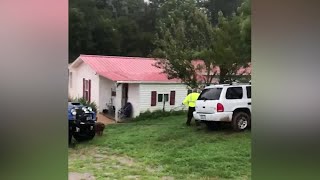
<point x="124" y="99"/>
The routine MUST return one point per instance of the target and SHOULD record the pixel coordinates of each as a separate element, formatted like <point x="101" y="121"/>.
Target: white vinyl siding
<point x="80" y="72"/>
<point x="145" y="96"/>
<point x="105" y="97"/>
<point x="134" y="98"/>
<point x="70" y="79"/>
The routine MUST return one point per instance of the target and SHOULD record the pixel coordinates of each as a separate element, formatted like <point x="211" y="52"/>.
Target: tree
<point x="106" y="37"/>
<point x="227" y="7"/>
<point x="245" y="27"/>
<point x="79" y="36"/>
<point x="184" y="33"/>
<point x="111" y="27"/>
<point x="232" y="45"/>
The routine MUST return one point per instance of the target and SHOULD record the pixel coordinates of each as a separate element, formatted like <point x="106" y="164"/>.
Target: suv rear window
<point x="234" y="93"/>
<point x="210" y="94"/>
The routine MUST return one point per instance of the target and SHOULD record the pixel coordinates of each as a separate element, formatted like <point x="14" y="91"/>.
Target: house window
<point x="70" y="79"/>
<point x="163" y="97"/>
<point x="86" y="89"/>
<point x="166" y="97"/>
<point x="160" y="97"/>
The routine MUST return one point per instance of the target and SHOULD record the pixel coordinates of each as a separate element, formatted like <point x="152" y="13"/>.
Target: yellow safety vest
<point x="191" y="99"/>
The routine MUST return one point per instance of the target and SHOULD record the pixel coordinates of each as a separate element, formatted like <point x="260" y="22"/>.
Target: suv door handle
<point x="249" y="103"/>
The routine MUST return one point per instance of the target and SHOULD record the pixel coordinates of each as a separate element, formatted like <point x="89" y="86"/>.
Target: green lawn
<point x="164" y="148"/>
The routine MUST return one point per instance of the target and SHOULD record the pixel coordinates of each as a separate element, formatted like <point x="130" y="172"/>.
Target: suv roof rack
<point x="239" y="83"/>
<point x="234" y="83"/>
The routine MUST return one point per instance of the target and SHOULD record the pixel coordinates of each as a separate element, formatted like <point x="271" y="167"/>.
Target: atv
<point x="82" y="121"/>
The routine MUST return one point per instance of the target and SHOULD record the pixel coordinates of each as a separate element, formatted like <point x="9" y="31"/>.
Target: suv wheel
<point x="240" y="121"/>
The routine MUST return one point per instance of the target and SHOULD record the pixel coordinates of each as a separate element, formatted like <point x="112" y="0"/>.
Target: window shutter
<point x="89" y="98"/>
<point x="83" y="87"/>
<point x="153" y="98"/>
<point x="172" y="97"/>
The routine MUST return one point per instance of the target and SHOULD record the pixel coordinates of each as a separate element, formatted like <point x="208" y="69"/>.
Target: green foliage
<point x="185" y="34"/>
<point x="84" y="102"/>
<point x="244" y="12"/>
<point x="232" y="45"/>
<point x="227" y="7"/>
<point x="157" y="114"/>
<point x="183" y="31"/>
<point x="176" y="30"/>
<point x="110" y="27"/>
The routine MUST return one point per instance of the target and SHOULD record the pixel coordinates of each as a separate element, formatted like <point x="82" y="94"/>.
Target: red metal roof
<point x="126" y="68"/>
<point x="118" y="68"/>
<point x="216" y="69"/>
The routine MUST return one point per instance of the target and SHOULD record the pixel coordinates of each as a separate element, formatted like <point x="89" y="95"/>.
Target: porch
<point x="119" y="96"/>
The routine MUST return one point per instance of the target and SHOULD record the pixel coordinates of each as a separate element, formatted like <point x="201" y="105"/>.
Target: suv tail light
<point x="220" y="107"/>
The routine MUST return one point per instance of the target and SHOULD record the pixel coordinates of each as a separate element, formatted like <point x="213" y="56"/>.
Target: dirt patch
<point x="82" y="154"/>
<point x="167" y="178"/>
<point x="105" y="120"/>
<point x="132" y="177"/>
<point x="154" y="169"/>
<point x="98" y="158"/>
<point x="124" y="160"/>
<point x="80" y="176"/>
<point x="108" y="174"/>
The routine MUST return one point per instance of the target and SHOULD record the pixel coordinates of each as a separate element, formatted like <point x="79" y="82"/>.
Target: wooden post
<point x="164" y="104"/>
<point x="117" y="102"/>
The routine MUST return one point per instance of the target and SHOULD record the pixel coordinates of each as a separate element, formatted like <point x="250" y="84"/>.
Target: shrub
<point x="158" y="114"/>
<point x="84" y="102"/>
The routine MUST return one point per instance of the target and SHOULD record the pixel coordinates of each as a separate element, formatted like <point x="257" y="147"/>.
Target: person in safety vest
<point x="190" y="101"/>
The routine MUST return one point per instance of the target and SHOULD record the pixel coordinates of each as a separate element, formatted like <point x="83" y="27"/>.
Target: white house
<point x="112" y="81"/>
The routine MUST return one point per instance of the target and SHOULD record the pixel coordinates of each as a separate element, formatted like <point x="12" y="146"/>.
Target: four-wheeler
<point x="82" y="121"/>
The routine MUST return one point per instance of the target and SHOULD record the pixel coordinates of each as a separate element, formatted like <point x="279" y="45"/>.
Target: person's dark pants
<point x="190" y="116"/>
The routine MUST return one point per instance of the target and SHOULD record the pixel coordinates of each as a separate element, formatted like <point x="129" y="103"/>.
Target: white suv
<point x="225" y="103"/>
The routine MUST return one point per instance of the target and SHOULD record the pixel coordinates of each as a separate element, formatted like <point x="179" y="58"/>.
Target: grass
<point x="164" y="148"/>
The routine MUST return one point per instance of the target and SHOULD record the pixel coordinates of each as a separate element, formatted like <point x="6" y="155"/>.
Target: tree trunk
<point x="223" y="75"/>
<point x="207" y="79"/>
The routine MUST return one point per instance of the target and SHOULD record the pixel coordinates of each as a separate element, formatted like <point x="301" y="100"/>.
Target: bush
<point x="84" y="102"/>
<point x="158" y="114"/>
